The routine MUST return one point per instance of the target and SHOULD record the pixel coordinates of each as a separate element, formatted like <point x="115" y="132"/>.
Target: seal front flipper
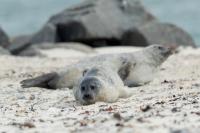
<point x="40" y="81"/>
<point x="125" y="69"/>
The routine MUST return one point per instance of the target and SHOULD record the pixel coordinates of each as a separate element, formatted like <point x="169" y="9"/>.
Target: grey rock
<point x="158" y="33"/>
<point x="4" y="39"/>
<point x="19" y="43"/>
<point x="4" y="51"/>
<point x="134" y="37"/>
<point x="165" y="33"/>
<point x="46" y="34"/>
<point x="95" y="22"/>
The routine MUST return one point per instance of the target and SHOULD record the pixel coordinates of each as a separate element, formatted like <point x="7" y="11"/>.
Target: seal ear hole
<point x="85" y="71"/>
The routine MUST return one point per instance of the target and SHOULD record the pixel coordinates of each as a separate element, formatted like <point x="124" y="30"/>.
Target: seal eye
<point x="84" y="72"/>
<point x="92" y="87"/>
<point x="82" y="88"/>
<point x="160" y="48"/>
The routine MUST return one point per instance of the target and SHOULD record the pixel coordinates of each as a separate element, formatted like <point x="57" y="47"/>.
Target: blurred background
<point x="18" y="17"/>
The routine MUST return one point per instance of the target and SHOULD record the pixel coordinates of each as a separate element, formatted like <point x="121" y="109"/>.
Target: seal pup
<point x="100" y="84"/>
<point x="134" y="69"/>
<point x="141" y="67"/>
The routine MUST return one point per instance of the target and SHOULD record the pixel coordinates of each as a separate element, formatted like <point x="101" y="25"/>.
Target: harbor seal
<point x="100" y="83"/>
<point x="134" y="69"/>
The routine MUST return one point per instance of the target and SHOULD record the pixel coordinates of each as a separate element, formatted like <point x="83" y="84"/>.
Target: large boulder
<point x="157" y="33"/>
<point x="95" y="22"/>
<point x="20" y="43"/>
<point x="4" y="39"/>
<point x="107" y="22"/>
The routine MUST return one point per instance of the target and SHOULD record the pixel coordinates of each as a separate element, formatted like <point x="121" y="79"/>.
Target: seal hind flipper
<point x="40" y="81"/>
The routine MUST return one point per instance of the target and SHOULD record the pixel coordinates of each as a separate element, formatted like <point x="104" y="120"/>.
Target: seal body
<point x="100" y="83"/>
<point x="133" y="69"/>
<point x="145" y="65"/>
<point x="67" y="77"/>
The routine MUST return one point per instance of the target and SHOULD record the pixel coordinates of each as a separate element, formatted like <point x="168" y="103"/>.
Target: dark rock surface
<point x="4" y="39"/>
<point x="94" y="22"/>
<point x="166" y="34"/>
<point x="158" y="33"/>
<point x="47" y="34"/>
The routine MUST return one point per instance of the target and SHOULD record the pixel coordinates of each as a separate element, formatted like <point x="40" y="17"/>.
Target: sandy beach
<point x="169" y="104"/>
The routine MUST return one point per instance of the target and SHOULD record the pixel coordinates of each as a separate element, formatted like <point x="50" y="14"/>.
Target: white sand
<point x="173" y="98"/>
<point x="68" y="53"/>
<point x="62" y="53"/>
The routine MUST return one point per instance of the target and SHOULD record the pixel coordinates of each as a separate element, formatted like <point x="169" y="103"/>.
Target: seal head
<point x="158" y="53"/>
<point x="89" y="88"/>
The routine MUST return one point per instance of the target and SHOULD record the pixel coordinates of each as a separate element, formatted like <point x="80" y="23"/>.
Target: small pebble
<point x="117" y="116"/>
<point x="145" y="108"/>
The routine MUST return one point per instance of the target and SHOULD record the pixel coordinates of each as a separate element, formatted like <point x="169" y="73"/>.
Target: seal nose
<point x="86" y="90"/>
<point x="87" y="97"/>
<point x="168" y="51"/>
